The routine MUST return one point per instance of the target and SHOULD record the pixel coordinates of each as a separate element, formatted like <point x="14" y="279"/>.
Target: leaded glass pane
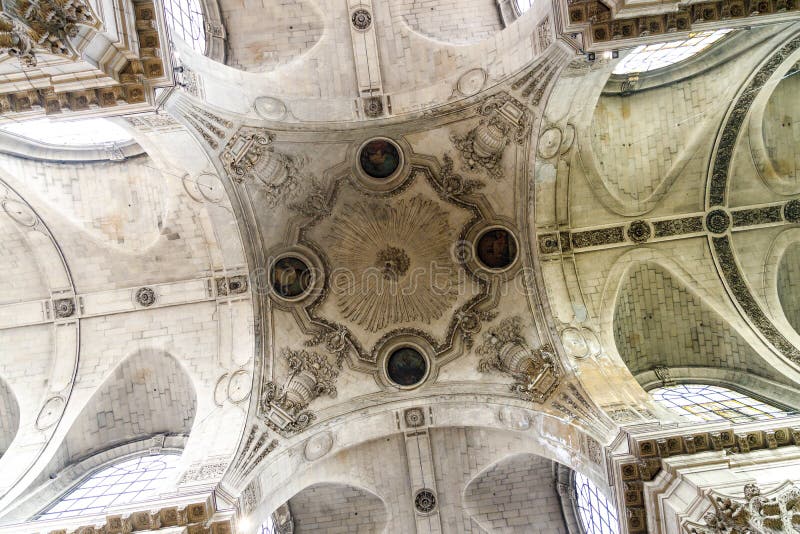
<point x="129" y="481"/>
<point x="655" y="56"/>
<point x="700" y="402"/>
<point x="596" y="513"/>
<point x="185" y="21"/>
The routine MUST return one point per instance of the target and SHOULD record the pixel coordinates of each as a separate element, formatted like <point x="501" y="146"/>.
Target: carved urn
<point x="300" y="390"/>
<point x="490" y="139"/>
<point x="517" y="359"/>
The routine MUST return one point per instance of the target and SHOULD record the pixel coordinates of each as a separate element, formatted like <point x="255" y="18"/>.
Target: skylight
<point x="84" y="132"/>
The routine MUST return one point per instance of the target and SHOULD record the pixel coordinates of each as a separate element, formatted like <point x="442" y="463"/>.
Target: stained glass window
<point x="597" y="515"/>
<point x="126" y="482"/>
<point x="657" y="55"/>
<point x="84" y="132"/>
<point x="185" y="21"/>
<point x="700" y="402"/>
<point x="522" y="5"/>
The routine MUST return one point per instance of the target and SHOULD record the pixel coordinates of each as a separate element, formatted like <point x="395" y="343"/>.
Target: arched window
<point x="185" y="21"/>
<point x="522" y="6"/>
<point x="127" y="482"/>
<point x="701" y="402"/>
<point x="658" y="55"/>
<point x="84" y="132"/>
<point x="596" y="514"/>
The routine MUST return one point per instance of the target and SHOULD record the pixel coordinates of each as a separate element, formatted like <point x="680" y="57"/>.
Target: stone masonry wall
<point x="337" y="509"/>
<point x="789" y="285"/>
<point x="451" y="21"/>
<point x="658" y="322"/>
<point x="514" y="497"/>
<point x="148" y="393"/>
<point x="285" y="29"/>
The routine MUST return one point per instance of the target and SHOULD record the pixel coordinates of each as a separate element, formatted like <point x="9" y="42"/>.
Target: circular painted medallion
<point x="290" y="277"/>
<point x="496" y="248"/>
<point x="406" y="367"/>
<point x="379" y="158"/>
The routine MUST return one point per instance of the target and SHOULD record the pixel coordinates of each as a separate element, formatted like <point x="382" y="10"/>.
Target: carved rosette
<point x="373" y="106"/>
<point x="361" y="19"/>
<point x="310" y="376"/>
<point x="535" y="372"/>
<point x="64" y="308"/>
<point x="425" y="501"/>
<point x="639" y="231"/>
<point x="718" y="221"/>
<point x="145" y="296"/>
<point x="791" y="212"/>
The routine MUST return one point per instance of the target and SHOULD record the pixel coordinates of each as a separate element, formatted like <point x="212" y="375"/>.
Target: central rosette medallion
<point x="392" y="262"/>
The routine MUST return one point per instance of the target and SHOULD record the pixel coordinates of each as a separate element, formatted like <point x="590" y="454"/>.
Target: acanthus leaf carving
<point x="335" y="341"/>
<point x="45" y="25"/>
<point x="454" y="184"/>
<point x="310" y="375"/>
<point x="754" y="514"/>
<point x="536" y="373"/>
<point x="506" y="119"/>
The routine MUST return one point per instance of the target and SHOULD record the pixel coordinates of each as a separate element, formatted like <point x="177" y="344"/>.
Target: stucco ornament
<point x="535" y="372"/>
<point x="755" y="514"/>
<point x="394" y="262"/>
<point x="506" y="119"/>
<point x="47" y="26"/>
<point x="310" y="375"/>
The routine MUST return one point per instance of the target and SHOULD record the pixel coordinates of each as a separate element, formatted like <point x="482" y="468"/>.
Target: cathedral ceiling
<point x="489" y="251"/>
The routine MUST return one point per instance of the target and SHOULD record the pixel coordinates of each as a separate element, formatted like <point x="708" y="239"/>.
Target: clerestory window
<point x="185" y="21"/>
<point x="596" y="513"/>
<point x="127" y="482"/>
<point x="658" y="55"/>
<point x="702" y="402"/>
